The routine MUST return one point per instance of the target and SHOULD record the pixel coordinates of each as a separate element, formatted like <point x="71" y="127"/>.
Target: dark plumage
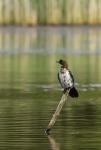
<point x="66" y="79"/>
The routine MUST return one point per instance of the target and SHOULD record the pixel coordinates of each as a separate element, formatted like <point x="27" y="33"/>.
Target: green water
<point x="30" y="92"/>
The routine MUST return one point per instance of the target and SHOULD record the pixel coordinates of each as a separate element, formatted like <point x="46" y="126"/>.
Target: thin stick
<point x="58" y="110"/>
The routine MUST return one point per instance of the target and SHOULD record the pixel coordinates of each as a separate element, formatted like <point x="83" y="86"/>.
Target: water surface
<point x="30" y="92"/>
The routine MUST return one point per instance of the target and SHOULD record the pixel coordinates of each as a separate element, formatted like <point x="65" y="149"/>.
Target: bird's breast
<point x="65" y="78"/>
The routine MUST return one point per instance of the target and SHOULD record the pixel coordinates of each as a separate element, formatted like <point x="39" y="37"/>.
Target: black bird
<point x="66" y="79"/>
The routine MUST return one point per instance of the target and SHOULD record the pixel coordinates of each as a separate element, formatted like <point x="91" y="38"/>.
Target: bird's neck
<point x="64" y="66"/>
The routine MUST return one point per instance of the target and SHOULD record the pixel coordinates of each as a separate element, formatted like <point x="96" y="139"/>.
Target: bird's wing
<point x="59" y="79"/>
<point x="71" y="76"/>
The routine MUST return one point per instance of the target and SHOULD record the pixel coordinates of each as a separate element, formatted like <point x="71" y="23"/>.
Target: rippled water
<point x="30" y="92"/>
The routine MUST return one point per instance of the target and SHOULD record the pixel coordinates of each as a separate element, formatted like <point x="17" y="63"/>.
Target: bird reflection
<point x="53" y="143"/>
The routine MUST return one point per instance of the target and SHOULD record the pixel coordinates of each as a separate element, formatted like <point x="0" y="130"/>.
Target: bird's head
<point x="63" y="63"/>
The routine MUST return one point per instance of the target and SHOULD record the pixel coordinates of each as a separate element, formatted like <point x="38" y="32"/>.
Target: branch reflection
<point x="53" y="143"/>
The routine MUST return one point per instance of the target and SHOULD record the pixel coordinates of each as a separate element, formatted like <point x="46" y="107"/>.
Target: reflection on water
<point x="22" y="49"/>
<point x="69" y="40"/>
<point x="53" y="143"/>
<point x="29" y="90"/>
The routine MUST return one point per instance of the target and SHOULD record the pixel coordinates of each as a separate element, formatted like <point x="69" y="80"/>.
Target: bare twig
<point x="58" y="110"/>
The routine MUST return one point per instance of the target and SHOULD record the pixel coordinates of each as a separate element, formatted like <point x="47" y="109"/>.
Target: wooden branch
<point x="58" y="110"/>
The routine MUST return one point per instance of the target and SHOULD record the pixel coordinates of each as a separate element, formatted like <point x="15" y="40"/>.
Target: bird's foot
<point x="65" y="90"/>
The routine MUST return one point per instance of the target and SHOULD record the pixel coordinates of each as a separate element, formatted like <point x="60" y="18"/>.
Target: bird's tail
<point x="73" y="92"/>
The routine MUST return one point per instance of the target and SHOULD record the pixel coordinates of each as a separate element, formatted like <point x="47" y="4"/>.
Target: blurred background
<point x="34" y="34"/>
<point x="54" y="12"/>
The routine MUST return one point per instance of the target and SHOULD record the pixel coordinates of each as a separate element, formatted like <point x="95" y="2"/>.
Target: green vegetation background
<point x="50" y="12"/>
